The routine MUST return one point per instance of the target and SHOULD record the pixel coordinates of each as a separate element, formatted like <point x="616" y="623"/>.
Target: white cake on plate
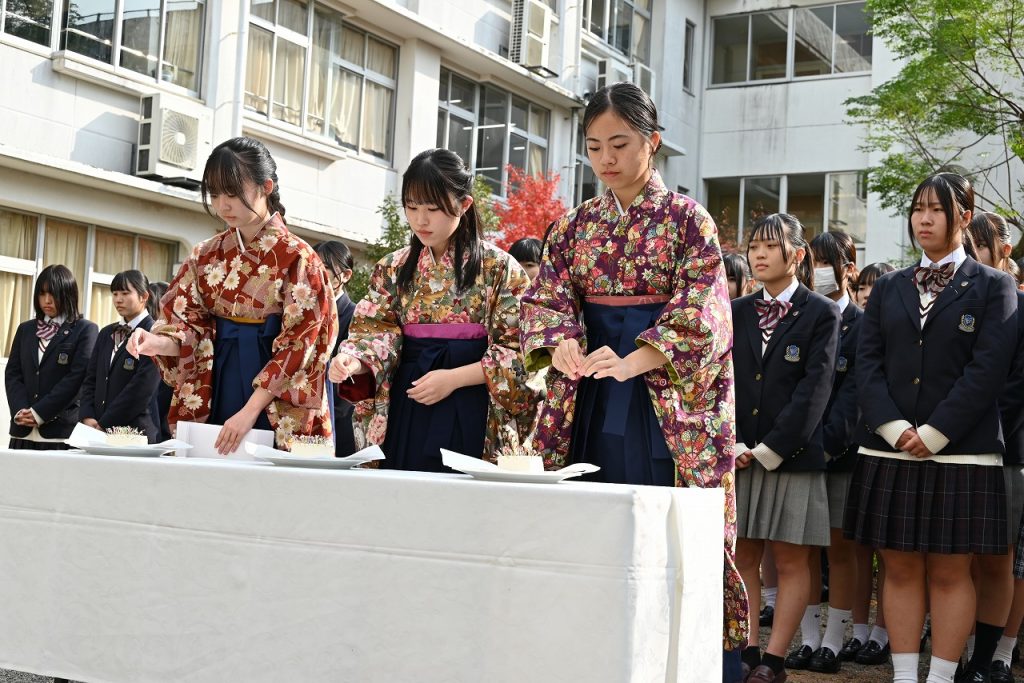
<point x="126" y="436"/>
<point x="311" y="447"/>
<point x="529" y="464"/>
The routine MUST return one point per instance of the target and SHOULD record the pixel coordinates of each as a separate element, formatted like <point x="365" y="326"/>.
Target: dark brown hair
<point x="955" y="195"/>
<point x="837" y="249"/>
<point x="787" y="230"/>
<point x="234" y="162"/>
<point x="59" y="282"/>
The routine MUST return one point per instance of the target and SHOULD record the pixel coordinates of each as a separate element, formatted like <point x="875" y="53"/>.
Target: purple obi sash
<point x="445" y="331"/>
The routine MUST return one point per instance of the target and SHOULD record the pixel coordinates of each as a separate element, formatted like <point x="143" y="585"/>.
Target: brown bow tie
<point x="933" y="279"/>
<point x="769" y="313"/>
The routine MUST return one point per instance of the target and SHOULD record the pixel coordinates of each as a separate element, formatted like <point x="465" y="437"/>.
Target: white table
<point x="141" y="569"/>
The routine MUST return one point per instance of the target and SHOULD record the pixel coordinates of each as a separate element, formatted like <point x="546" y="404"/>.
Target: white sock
<point x="835" y="629"/>
<point x="810" y="626"/>
<point x="769" y="596"/>
<point x="861" y="633"/>
<point x="941" y="671"/>
<point x="1004" y="650"/>
<point x="879" y="635"/>
<point x="970" y="647"/>
<point x="904" y="667"/>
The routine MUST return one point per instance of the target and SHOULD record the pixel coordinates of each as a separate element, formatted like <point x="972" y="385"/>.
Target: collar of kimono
<point x="654" y="191"/>
<point x="274" y="226"/>
<point x="427" y="262"/>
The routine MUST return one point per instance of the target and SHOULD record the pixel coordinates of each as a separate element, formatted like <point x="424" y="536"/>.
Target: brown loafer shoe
<point x="764" y="674"/>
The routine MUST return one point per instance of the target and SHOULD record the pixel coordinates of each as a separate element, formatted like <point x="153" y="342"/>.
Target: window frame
<point x="609" y="36"/>
<point x="689" y="36"/>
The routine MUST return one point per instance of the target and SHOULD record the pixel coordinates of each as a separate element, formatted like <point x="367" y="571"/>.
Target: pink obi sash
<point x="628" y="300"/>
<point x="445" y="331"/>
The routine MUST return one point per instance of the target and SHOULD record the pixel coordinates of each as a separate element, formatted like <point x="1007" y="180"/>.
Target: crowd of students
<point x="876" y="414"/>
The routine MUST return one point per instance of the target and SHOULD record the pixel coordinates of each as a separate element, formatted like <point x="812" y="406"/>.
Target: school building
<point x="110" y="108"/>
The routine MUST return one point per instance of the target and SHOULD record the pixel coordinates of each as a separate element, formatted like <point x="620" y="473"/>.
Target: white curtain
<point x="288" y="79"/>
<point x="65" y="243"/>
<point x="257" y="73"/>
<point x="376" y="117"/>
<point x="345" y="107"/>
<point x="182" y="43"/>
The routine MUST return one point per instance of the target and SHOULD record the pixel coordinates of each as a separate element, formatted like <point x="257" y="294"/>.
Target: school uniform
<point x="935" y="350"/>
<point x="784" y="376"/>
<point x="344" y="438"/>
<point x="48" y="362"/>
<point x="120" y="390"/>
<point x="841" y="416"/>
<point x="1011" y="408"/>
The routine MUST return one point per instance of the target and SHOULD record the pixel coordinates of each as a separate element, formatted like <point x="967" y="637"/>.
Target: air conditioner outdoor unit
<point x="174" y="140"/>
<point x="531" y="33"/>
<point x="644" y="77"/>
<point x="611" y="71"/>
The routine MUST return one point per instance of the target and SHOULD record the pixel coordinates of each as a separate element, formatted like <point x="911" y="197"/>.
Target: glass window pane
<point x="539" y="122"/>
<point x="463" y="93"/>
<point x="31" y="21"/>
<point x="345" y="107"/>
<point x="812" y="29"/>
<point x="460" y="138"/>
<point x="377" y="120"/>
<point x="853" y="40"/>
<point x="760" y="198"/>
<point x="622" y="24"/>
<point x="520" y="115"/>
<point x="326" y="37"/>
<point x="769" y="35"/>
<point x="288" y="77"/>
<point x="688" y="57"/>
<point x="16" y="293"/>
<point x="724" y="207"/>
<point x="805" y="199"/>
<point x="257" y="74"/>
<point x="292" y="15"/>
<point x="730" y="53"/>
<point x="595" y="22"/>
<point x="183" y="44"/>
<point x="517" y="151"/>
<point x="352" y="45"/>
<point x="641" y="38"/>
<point x="380" y="57"/>
<point x="65" y="243"/>
<point x="442" y="86"/>
<point x="536" y="163"/>
<point x="90" y="28"/>
<point x="140" y="36"/>
<point x="101" y="306"/>
<point x="442" y="128"/>
<point x="264" y="9"/>
<point x="494" y="103"/>
<point x="848" y="204"/>
<point x="156" y="259"/>
<point x="587" y="184"/>
<point x="18" y="235"/>
<point x="113" y="252"/>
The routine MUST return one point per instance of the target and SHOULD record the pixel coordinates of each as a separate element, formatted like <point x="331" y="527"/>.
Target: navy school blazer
<point x="781" y="397"/>
<point x="949" y="374"/>
<point x="50" y="386"/>
<point x="1011" y="403"/>
<point x="120" y="393"/>
<point x="841" y="415"/>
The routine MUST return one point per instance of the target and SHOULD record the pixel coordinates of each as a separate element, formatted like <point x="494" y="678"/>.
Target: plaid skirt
<point x="1018" y="564"/>
<point x="927" y="506"/>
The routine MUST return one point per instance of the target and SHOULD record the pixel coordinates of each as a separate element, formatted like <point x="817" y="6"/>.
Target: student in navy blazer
<point x="784" y="354"/>
<point x="928" y="490"/>
<point x="47" y="364"/>
<point x="119" y="389"/>
<point x="337" y="259"/>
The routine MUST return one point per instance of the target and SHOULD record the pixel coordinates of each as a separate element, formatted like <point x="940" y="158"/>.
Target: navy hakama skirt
<point x="240" y="351"/>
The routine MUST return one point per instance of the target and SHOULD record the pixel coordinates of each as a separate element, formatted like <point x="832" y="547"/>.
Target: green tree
<point x="484" y="201"/>
<point x="393" y="237"/>
<point x="956" y="104"/>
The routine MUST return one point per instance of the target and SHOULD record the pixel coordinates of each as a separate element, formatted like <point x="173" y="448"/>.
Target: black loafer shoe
<point x="969" y="675"/>
<point x="1001" y="673"/>
<point x="873" y="654"/>
<point x="767" y="615"/>
<point x="799" y="658"/>
<point x="850" y="650"/>
<point x="824" y="661"/>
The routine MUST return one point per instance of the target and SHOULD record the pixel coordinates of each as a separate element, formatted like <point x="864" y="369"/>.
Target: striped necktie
<point x="769" y="313"/>
<point x="930" y="282"/>
<point x="46" y="330"/>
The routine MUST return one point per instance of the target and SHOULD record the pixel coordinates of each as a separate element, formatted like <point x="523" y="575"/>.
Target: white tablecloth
<point x="139" y="569"/>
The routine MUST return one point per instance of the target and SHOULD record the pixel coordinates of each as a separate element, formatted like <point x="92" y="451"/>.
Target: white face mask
<point x="825" y="281"/>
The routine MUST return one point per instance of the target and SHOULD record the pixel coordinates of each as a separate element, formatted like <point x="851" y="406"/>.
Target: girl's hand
<point x="237" y="426"/>
<point x="744" y="459"/>
<point x="906" y="436"/>
<point x="567" y="358"/>
<point x="344" y="366"/>
<point x="90" y="422"/>
<point x="143" y="343"/>
<point x="606" y="363"/>
<point x="915" y="446"/>
<point x="25" y="418"/>
<point x="433" y="387"/>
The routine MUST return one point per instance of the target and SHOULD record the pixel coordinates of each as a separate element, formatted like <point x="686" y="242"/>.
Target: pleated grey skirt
<point x="1013" y="475"/>
<point x="838" y="484"/>
<point x="791" y="507"/>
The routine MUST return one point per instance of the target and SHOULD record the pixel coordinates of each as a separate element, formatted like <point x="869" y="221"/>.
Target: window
<point x="826" y="40"/>
<point x="623" y="24"/>
<point x="491" y="129"/>
<point x="344" y="91"/>
<point x="586" y="180"/>
<point x="161" y="39"/>
<point x="28" y="20"/>
<point x="29" y="243"/>
<point x="841" y="198"/>
<point x="691" y="32"/>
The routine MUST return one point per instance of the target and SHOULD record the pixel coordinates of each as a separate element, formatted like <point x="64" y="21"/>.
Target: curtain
<point x="113" y="252"/>
<point x="101" y="307"/>
<point x="288" y="78"/>
<point x="66" y="243"/>
<point x="16" y="293"/>
<point x="352" y="45"/>
<point x="536" y="164"/>
<point x="380" y="57"/>
<point x="156" y="259"/>
<point x="257" y="72"/>
<point x="376" y="117"/>
<point x="326" y="34"/>
<point x="18" y="235"/>
<point x="183" y="43"/>
<point x="345" y="108"/>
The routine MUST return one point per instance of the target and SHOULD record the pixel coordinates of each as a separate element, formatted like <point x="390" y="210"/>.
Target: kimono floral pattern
<point x="276" y="272"/>
<point x="663" y="244"/>
<point x="375" y="336"/>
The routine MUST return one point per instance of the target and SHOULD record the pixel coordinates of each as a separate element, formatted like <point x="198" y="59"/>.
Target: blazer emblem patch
<point x="842" y="365"/>
<point x="62" y="359"/>
<point x="129" y="363"/>
<point x="792" y="353"/>
<point x="966" y="323"/>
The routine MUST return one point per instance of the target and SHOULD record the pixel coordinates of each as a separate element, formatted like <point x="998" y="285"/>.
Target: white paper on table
<point x="368" y="454"/>
<point x="465" y="463"/>
<point x="84" y="436"/>
<point x="202" y="438"/>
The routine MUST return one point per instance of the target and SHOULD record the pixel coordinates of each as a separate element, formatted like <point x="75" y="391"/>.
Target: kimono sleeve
<point x="185" y="318"/>
<point x="694" y="332"/>
<point x="296" y="373"/>
<point x="502" y="363"/>
<point x="550" y="308"/>
<point x="375" y="334"/>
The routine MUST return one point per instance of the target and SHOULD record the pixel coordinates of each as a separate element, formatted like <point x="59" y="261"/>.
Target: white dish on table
<point x="486" y="471"/>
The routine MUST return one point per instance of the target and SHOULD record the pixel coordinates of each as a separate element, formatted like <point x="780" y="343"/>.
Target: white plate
<point x="315" y="463"/>
<point x="522" y="477"/>
<point x="150" y="451"/>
